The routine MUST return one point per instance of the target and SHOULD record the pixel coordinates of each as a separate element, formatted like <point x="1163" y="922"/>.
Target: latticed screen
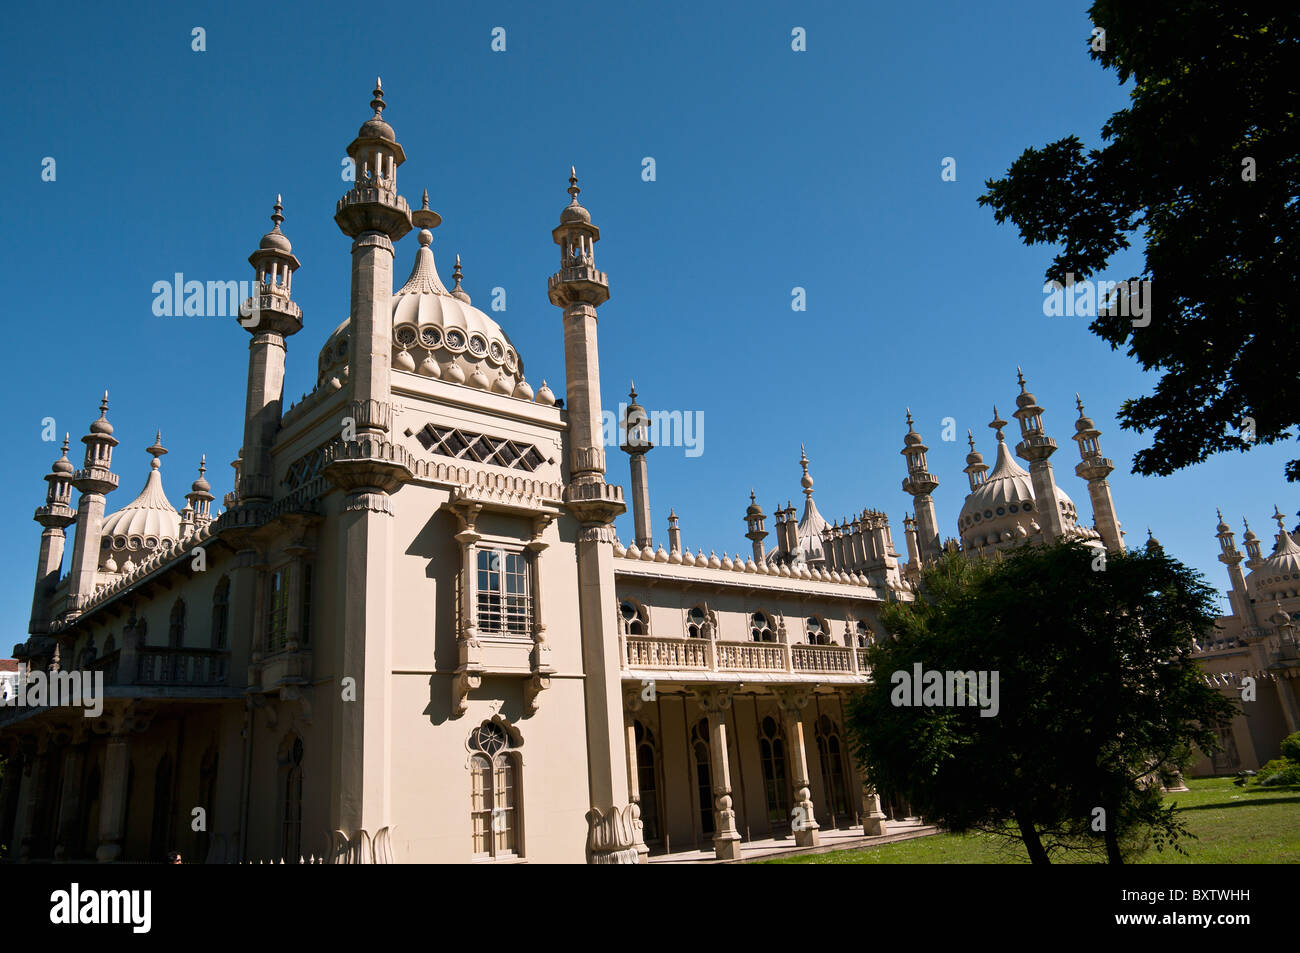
<point x="464" y="445"/>
<point x="504" y="603"/>
<point x="277" y="610"/>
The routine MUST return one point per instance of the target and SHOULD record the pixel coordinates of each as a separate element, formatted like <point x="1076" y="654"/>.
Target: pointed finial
<point x="277" y="215"/>
<point x="65" y="444"/>
<point x="203" y="464"/>
<point x="157" y="450"/>
<point x="377" y="104"/>
<point x="970" y="439"/>
<point x="1078" y="402"/>
<point x="997" y="423"/>
<point x="1020" y="378"/>
<point x="573" y="185"/>
<point x="1279" y="518"/>
<point x="456" y="273"/>
<point x="103" y="406"/>
<point x="752" y="498"/>
<point x="1220" y="512"/>
<point x="631" y="389"/>
<point x="909" y="421"/>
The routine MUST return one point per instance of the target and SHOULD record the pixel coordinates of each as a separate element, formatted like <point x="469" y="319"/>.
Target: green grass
<point x="1233" y="825"/>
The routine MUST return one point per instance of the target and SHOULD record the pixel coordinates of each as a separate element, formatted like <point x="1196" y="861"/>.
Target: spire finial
<point x="752" y="497"/>
<point x="103" y="406"/>
<point x="1078" y="402"/>
<point x="1220" y="512"/>
<point x="573" y="185"/>
<point x="909" y="420"/>
<point x="157" y="450"/>
<point x="203" y="464"/>
<point x="456" y="274"/>
<point x="277" y="214"/>
<point x="1279" y="518"/>
<point x="65" y="444"/>
<point x="1020" y="378"/>
<point x="970" y="439"/>
<point x="631" y="389"/>
<point x="997" y="423"/>
<point x="377" y="104"/>
<point x="805" y="481"/>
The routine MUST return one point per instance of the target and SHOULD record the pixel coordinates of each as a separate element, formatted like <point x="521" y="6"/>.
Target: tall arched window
<point x="831" y="753"/>
<point x="648" y="782"/>
<point x="864" y="634"/>
<point x="703" y="773"/>
<point x="176" y="625"/>
<point x="771" y="748"/>
<point x="761" y="627"/>
<point x="291" y="842"/>
<point x="636" y="620"/>
<point x="818" y="630"/>
<point x="494" y="790"/>
<point x="220" y="613"/>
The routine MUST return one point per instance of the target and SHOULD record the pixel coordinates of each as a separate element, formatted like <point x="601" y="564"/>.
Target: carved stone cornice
<point x="714" y="699"/>
<point x="613" y="837"/>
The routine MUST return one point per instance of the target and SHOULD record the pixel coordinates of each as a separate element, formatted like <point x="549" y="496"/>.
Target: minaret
<point x="975" y="469"/>
<point x="614" y="825"/>
<point x="270" y="316"/>
<point x="674" y="534"/>
<point x="1037" y="448"/>
<point x="1251" y="542"/>
<point x="374" y="216"/>
<point x="754" y="518"/>
<point x="54" y="516"/>
<point x="1231" y="557"/>
<point x="636" y="444"/>
<point x="94" y="481"/>
<point x="200" y="496"/>
<point x="368" y="467"/>
<point x="920" y="484"/>
<point x="1095" y="468"/>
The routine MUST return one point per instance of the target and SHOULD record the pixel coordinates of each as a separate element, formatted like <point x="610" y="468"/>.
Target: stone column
<point x="37" y="783"/>
<point x="804" y="823"/>
<point x="726" y="838"/>
<point x="9" y="796"/>
<point x="112" y="793"/>
<point x="70" y="804"/>
<point x="632" y="705"/>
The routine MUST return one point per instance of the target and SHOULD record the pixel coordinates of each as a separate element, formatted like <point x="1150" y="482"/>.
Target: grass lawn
<point x="1233" y="825"/>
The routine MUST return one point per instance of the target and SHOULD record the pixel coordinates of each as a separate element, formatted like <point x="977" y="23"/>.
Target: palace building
<point x="410" y="632"/>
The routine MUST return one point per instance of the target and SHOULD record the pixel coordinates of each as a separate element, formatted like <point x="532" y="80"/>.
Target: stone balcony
<point x="706" y="660"/>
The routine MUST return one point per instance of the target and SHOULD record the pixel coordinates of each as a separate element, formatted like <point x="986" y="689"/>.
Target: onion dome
<point x="545" y="395"/>
<point x="1024" y="398"/>
<point x="145" y="522"/>
<point x="574" y="212"/>
<point x="1152" y="544"/>
<point x="753" y="509"/>
<point x="1279" y="573"/>
<point x="375" y="127"/>
<point x="1222" y="527"/>
<point x="102" y="426"/>
<point x="275" y="240"/>
<point x="201" y="485"/>
<point x="1084" y="422"/>
<point x="1002" y="505"/>
<point x="974" y="458"/>
<point x="63" y="464"/>
<point x="911" y="438"/>
<point x="1249" y="535"/>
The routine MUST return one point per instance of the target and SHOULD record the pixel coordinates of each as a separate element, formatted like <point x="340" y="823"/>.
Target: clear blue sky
<point x="775" y="169"/>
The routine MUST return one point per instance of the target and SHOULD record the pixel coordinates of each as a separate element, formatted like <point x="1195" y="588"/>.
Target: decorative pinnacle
<point x="103" y="406"/>
<point x="909" y="421"/>
<point x="455" y="272"/>
<point x="997" y="423"/>
<point x="65" y="445"/>
<point x="970" y="439"/>
<point x="573" y="185"/>
<point x="672" y="515"/>
<point x="203" y="464"/>
<point x="1277" y="515"/>
<point x="1220" y="512"/>
<point x="377" y="104"/>
<point x="1020" y="378"/>
<point x="426" y="199"/>
<point x="277" y="216"/>
<point x="157" y="450"/>
<point x="752" y="498"/>
<point x="1078" y="402"/>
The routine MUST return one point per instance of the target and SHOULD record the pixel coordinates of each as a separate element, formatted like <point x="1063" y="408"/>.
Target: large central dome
<point x="1002" y="510"/>
<point x="439" y="333"/>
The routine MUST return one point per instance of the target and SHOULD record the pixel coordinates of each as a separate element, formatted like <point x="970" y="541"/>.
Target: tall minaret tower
<point x="920" y="483"/>
<point x="754" y="519"/>
<point x="269" y="316"/>
<point x="54" y="516"/>
<point x="636" y="444"/>
<point x="94" y="481"/>
<point x="614" y="825"/>
<point x="1037" y="448"/>
<point x="1231" y="557"/>
<point x="976" y="469"/>
<point x="1095" y="468"/>
<point x="368" y="467"/>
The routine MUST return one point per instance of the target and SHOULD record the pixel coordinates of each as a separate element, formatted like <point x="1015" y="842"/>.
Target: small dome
<point x="63" y="464"/>
<point x="1005" y="501"/>
<point x="575" y="214"/>
<point x="102" y="426"/>
<point x="523" y="390"/>
<point x="1084" y="423"/>
<point x="545" y="396"/>
<point x="376" y="128"/>
<point x="144" y="522"/>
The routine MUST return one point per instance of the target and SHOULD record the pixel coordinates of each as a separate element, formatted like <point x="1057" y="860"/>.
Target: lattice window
<point x="277" y="609"/>
<point x="505" y="604"/>
<point x="304" y="469"/>
<point x="480" y="448"/>
<point x="494" y="787"/>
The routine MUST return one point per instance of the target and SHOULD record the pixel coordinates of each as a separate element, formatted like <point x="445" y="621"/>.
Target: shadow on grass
<point x="1243" y="803"/>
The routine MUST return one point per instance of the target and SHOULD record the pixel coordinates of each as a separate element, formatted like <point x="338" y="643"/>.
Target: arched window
<point x="291" y="842"/>
<point x="636" y="620"/>
<point x="761" y="627"/>
<point x="494" y="787"/>
<point x="818" y="630"/>
<point x="703" y="774"/>
<point x="831" y="752"/>
<point x="771" y="748"/>
<point x="697" y="623"/>
<point x="220" y="613"/>
<point x="277" y="608"/>
<point x="864" y="634"/>
<point x="176" y="625"/>
<point x="648" y="782"/>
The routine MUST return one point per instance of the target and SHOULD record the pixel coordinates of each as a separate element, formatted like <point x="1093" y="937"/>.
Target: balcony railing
<point x="181" y="667"/>
<point x="705" y="655"/>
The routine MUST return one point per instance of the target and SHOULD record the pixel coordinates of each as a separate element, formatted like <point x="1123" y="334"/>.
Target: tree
<point x="1096" y="703"/>
<point x="1205" y="161"/>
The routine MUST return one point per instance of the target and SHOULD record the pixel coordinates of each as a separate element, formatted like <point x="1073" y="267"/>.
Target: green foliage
<point x="1291" y="747"/>
<point x="1100" y="698"/>
<point x="1205" y="163"/>
<point x="1283" y="770"/>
